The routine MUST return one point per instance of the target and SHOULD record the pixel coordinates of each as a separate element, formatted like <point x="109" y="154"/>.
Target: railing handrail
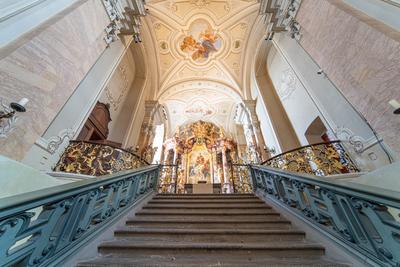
<point x="112" y="146"/>
<point x="393" y="3"/>
<point x="45" y="227"/>
<point x="59" y="192"/>
<point x="391" y="197"/>
<point x="300" y="148"/>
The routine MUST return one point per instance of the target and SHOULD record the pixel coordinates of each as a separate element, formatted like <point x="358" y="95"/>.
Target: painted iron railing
<point x="44" y="227"/>
<point x="319" y="159"/>
<point x="95" y="159"/>
<point x="363" y="217"/>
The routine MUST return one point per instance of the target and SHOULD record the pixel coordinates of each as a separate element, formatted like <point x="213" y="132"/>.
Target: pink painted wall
<point x="46" y="66"/>
<point x="360" y="55"/>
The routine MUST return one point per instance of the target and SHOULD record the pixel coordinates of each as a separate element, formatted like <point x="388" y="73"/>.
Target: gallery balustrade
<point x="319" y="159"/>
<point x="364" y="218"/>
<point x="44" y="227"/>
<point x="89" y="158"/>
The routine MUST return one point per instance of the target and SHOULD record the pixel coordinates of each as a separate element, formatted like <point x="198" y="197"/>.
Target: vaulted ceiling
<point x="200" y="45"/>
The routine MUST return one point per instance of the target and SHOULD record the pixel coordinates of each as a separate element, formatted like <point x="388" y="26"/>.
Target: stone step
<point x="232" y="217"/>
<point x="206" y="206"/>
<point x="219" y="260"/>
<point x="216" y="223"/>
<point x="207" y="201"/>
<point x="209" y="230"/>
<point x="206" y="196"/>
<point x="207" y="212"/>
<point x="129" y="248"/>
<point x="208" y="235"/>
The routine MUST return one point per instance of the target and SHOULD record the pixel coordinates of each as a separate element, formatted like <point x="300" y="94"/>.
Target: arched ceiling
<point x="200" y="46"/>
<point x="200" y="100"/>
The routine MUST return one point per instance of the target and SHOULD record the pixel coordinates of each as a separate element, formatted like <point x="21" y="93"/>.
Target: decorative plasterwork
<point x="199" y="100"/>
<point x="53" y="143"/>
<point x="114" y="100"/>
<point x="207" y="87"/>
<point x="288" y="84"/>
<point x="227" y="24"/>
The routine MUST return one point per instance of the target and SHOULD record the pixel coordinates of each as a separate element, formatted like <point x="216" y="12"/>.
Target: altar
<point x="203" y="188"/>
<point x="203" y="154"/>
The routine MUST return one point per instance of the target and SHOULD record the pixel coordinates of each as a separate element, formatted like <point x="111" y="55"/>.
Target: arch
<point x="194" y="84"/>
<point x="316" y="132"/>
<point x="262" y="87"/>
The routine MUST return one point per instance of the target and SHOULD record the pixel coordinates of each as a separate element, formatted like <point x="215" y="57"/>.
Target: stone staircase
<point x="209" y="230"/>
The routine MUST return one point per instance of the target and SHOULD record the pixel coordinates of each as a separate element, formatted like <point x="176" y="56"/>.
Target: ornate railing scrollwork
<point x="365" y="219"/>
<point x="42" y="228"/>
<point x="319" y="159"/>
<point x="89" y="158"/>
<point x="241" y="179"/>
<point x="171" y="180"/>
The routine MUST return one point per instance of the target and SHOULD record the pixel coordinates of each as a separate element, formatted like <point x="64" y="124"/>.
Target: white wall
<point x="16" y="178"/>
<point x="315" y="95"/>
<point x="45" y="153"/>
<point x="115" y="94"/>
<point x="293" y="95"/>
<point x="385" y="12"/>
<point x="18" y="17"/>
<point x="267" y="129"/>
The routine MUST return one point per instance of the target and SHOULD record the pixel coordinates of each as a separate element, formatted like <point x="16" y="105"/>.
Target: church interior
<point x="199" y="133"/>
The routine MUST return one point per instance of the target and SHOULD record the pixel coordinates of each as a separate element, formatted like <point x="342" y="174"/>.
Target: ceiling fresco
<point x="200" y="42"/>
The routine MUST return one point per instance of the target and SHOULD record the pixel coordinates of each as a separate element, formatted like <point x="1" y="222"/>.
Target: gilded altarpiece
<point x="198" y="146"/>
<point x="199" y="165"/>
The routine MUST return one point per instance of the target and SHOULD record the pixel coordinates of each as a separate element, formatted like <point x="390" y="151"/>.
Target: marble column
<point x="256" y="129"/>
<point x="227" y="185"/>
<point x="251" y="144"/>
<point x="184" y="164"/>
<point x="147" y="131"/>
<point x="174" y="170"/>
<point x="216" y="179"/>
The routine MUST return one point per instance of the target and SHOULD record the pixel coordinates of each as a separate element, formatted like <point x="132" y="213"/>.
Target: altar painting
<point x="199" y="165"/>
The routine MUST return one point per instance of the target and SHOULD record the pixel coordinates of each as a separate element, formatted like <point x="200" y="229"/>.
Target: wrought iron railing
<point x="95" y="159"/>
<point x="319" y="159"/>
<point x="169" y="179"/>
<point x="364" y="218"/>
<point x="241" y="179"/>
<point x="42" y="228"/>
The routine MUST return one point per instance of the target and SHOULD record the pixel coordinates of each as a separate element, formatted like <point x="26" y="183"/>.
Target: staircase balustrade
<point x="363" y="217"/>
<point x="170" y="176"/>
<point x="321" y="159"/>
<point x="241" y="179"/>
<point x="44" y="227"/>
<point x="95" y="159"/>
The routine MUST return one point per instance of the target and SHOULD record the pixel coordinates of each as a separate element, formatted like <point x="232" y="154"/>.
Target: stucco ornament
<point x="357" y="142"/>
<point x="7" y="125"/>
<point x="288" y="84"/>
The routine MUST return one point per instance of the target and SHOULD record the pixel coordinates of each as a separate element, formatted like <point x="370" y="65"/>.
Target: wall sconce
<point x="268" y="150"/>
<point x="396" y="105"/>
<point x="7" y="115"/>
